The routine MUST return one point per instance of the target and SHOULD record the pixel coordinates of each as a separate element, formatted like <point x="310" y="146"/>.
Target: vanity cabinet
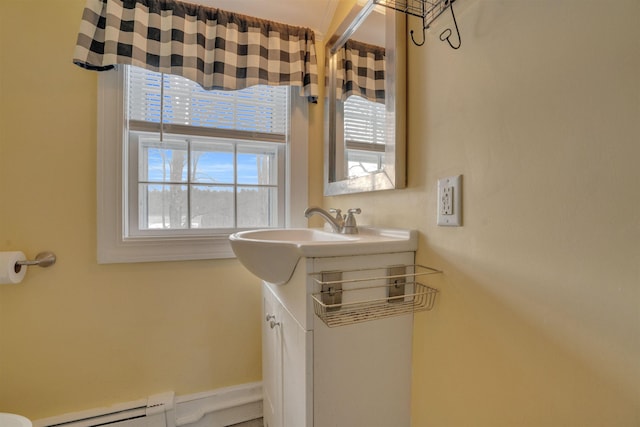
<point x="347" y="376"/>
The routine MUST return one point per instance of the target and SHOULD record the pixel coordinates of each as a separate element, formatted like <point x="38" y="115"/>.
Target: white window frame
<point x="136" y="139"/>
<point x="113" y="244"/>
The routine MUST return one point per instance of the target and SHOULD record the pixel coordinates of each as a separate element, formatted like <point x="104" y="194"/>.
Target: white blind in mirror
<point x="364" y="121"/>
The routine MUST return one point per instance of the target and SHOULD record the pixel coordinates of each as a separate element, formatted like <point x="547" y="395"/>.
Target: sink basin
<point x="272" y="254"/>
<point x="13" y="420"/>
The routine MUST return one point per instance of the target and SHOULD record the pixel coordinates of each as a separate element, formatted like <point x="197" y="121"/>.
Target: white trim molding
<point x="221" y="407"/>
<point x="215" y="408"/>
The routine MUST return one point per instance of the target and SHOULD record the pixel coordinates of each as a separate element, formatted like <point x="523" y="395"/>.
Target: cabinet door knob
<point x="271" y="318"/>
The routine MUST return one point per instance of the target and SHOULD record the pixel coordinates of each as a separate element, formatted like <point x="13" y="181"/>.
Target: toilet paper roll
<point x="9" y="273"/>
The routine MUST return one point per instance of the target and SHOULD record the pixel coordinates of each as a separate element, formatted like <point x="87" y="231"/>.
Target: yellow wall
<point x="538" y="319"/>
<point x="80" y="335"/>
<point x="537" y="323"/>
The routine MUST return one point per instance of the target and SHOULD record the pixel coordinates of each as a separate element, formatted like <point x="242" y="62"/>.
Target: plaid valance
<point x="360" y="71"/>
<point x="217" y="49"/>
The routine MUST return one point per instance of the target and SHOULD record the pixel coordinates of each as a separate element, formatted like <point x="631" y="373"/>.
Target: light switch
<point x="450" y="201"/>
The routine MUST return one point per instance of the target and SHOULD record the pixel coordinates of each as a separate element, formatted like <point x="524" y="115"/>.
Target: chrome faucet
<point x="339" y="224"/>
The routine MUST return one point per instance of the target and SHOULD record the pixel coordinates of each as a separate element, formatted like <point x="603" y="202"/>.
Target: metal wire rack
<point x="419" y="8"/>
<point x="428" y="11"/>
<point x="339" y="307"/>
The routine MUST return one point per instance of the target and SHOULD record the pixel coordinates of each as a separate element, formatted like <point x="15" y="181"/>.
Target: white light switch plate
<point x="450" y="201"/>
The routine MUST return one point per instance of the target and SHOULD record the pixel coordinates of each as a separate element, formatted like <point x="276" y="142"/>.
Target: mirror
<point x="365" y="97"/>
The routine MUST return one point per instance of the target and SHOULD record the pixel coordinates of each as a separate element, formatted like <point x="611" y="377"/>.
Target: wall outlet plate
<point x="450" y="201"/>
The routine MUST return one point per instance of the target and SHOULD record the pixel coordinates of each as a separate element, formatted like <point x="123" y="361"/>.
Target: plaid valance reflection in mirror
<point x="360" y="70"/>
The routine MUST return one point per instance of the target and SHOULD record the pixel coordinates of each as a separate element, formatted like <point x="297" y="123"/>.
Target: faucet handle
<point x="338" y="212"/>
<point x="350" y="226"/>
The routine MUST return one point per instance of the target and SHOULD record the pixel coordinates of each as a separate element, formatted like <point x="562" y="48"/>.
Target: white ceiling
<point x="315" y="14"/>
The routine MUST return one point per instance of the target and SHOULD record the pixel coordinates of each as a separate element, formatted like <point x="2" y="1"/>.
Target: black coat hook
<point x="429" y="16"/>
<point x="424" y="37"/>
<point x="446" y="34"/>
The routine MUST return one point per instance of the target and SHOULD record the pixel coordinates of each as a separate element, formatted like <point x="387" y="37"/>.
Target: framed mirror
<point x="365" y="97"/>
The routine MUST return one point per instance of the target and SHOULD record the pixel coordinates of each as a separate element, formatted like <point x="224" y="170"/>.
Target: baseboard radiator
<point x="217" y="408"/>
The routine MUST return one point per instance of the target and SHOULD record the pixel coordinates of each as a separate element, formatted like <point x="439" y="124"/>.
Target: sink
<point x="272" y="254"/>
<point x="13" y="420"/>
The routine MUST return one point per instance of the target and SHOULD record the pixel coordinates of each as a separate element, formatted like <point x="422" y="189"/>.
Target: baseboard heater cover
<point x="152" y="409"/>
<point x="214" y="408"/>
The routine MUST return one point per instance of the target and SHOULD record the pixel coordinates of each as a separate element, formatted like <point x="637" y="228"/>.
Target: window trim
<point x="113" y="247"/>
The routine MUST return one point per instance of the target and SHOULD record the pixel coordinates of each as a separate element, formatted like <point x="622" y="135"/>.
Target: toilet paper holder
<point x="43" y="259"/>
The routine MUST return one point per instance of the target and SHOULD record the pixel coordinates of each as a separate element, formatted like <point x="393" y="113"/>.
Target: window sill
<point x="156" y="249"/>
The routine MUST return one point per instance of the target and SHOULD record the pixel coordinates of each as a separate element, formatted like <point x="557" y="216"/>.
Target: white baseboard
<point x="220" y="408"/>
<point x="215" y="408"/>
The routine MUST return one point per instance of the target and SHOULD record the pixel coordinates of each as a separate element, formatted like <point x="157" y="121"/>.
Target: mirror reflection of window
<point x="364" y="106"/>
<point x="360" y="76"/>
<point x="365" y="134"/>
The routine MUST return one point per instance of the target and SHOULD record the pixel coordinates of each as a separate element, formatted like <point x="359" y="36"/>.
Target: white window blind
<point x="261" y="109"/>
<point x="364" y="121"/>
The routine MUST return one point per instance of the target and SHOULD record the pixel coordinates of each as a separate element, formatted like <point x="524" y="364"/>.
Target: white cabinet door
<point x="286" y="367"/>
<point x="271" y="361"/>
<point x="297" y="372"/>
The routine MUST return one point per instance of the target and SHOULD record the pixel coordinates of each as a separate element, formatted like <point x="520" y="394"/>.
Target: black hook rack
<point x="428" y="11"/>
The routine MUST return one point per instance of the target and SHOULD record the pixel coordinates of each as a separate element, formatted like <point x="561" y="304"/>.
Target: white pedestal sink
<point x="272" y="254"/>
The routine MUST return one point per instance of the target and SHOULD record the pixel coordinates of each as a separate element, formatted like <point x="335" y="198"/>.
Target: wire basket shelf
<point x="429" y="9"/>
<point x="355" y="312"/>
<point x="339" y="307"/>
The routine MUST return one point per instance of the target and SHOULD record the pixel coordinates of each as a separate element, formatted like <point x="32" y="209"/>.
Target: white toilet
<point x="13" y="420"/>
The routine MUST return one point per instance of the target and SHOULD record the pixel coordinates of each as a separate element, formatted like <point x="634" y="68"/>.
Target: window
<point x="173" y="186"/>
<point x="364" y="135"/>
<point x="213" y="161"/>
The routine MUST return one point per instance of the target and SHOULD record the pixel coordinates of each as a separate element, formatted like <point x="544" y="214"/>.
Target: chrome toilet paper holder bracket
<point x="43" y="259"/>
